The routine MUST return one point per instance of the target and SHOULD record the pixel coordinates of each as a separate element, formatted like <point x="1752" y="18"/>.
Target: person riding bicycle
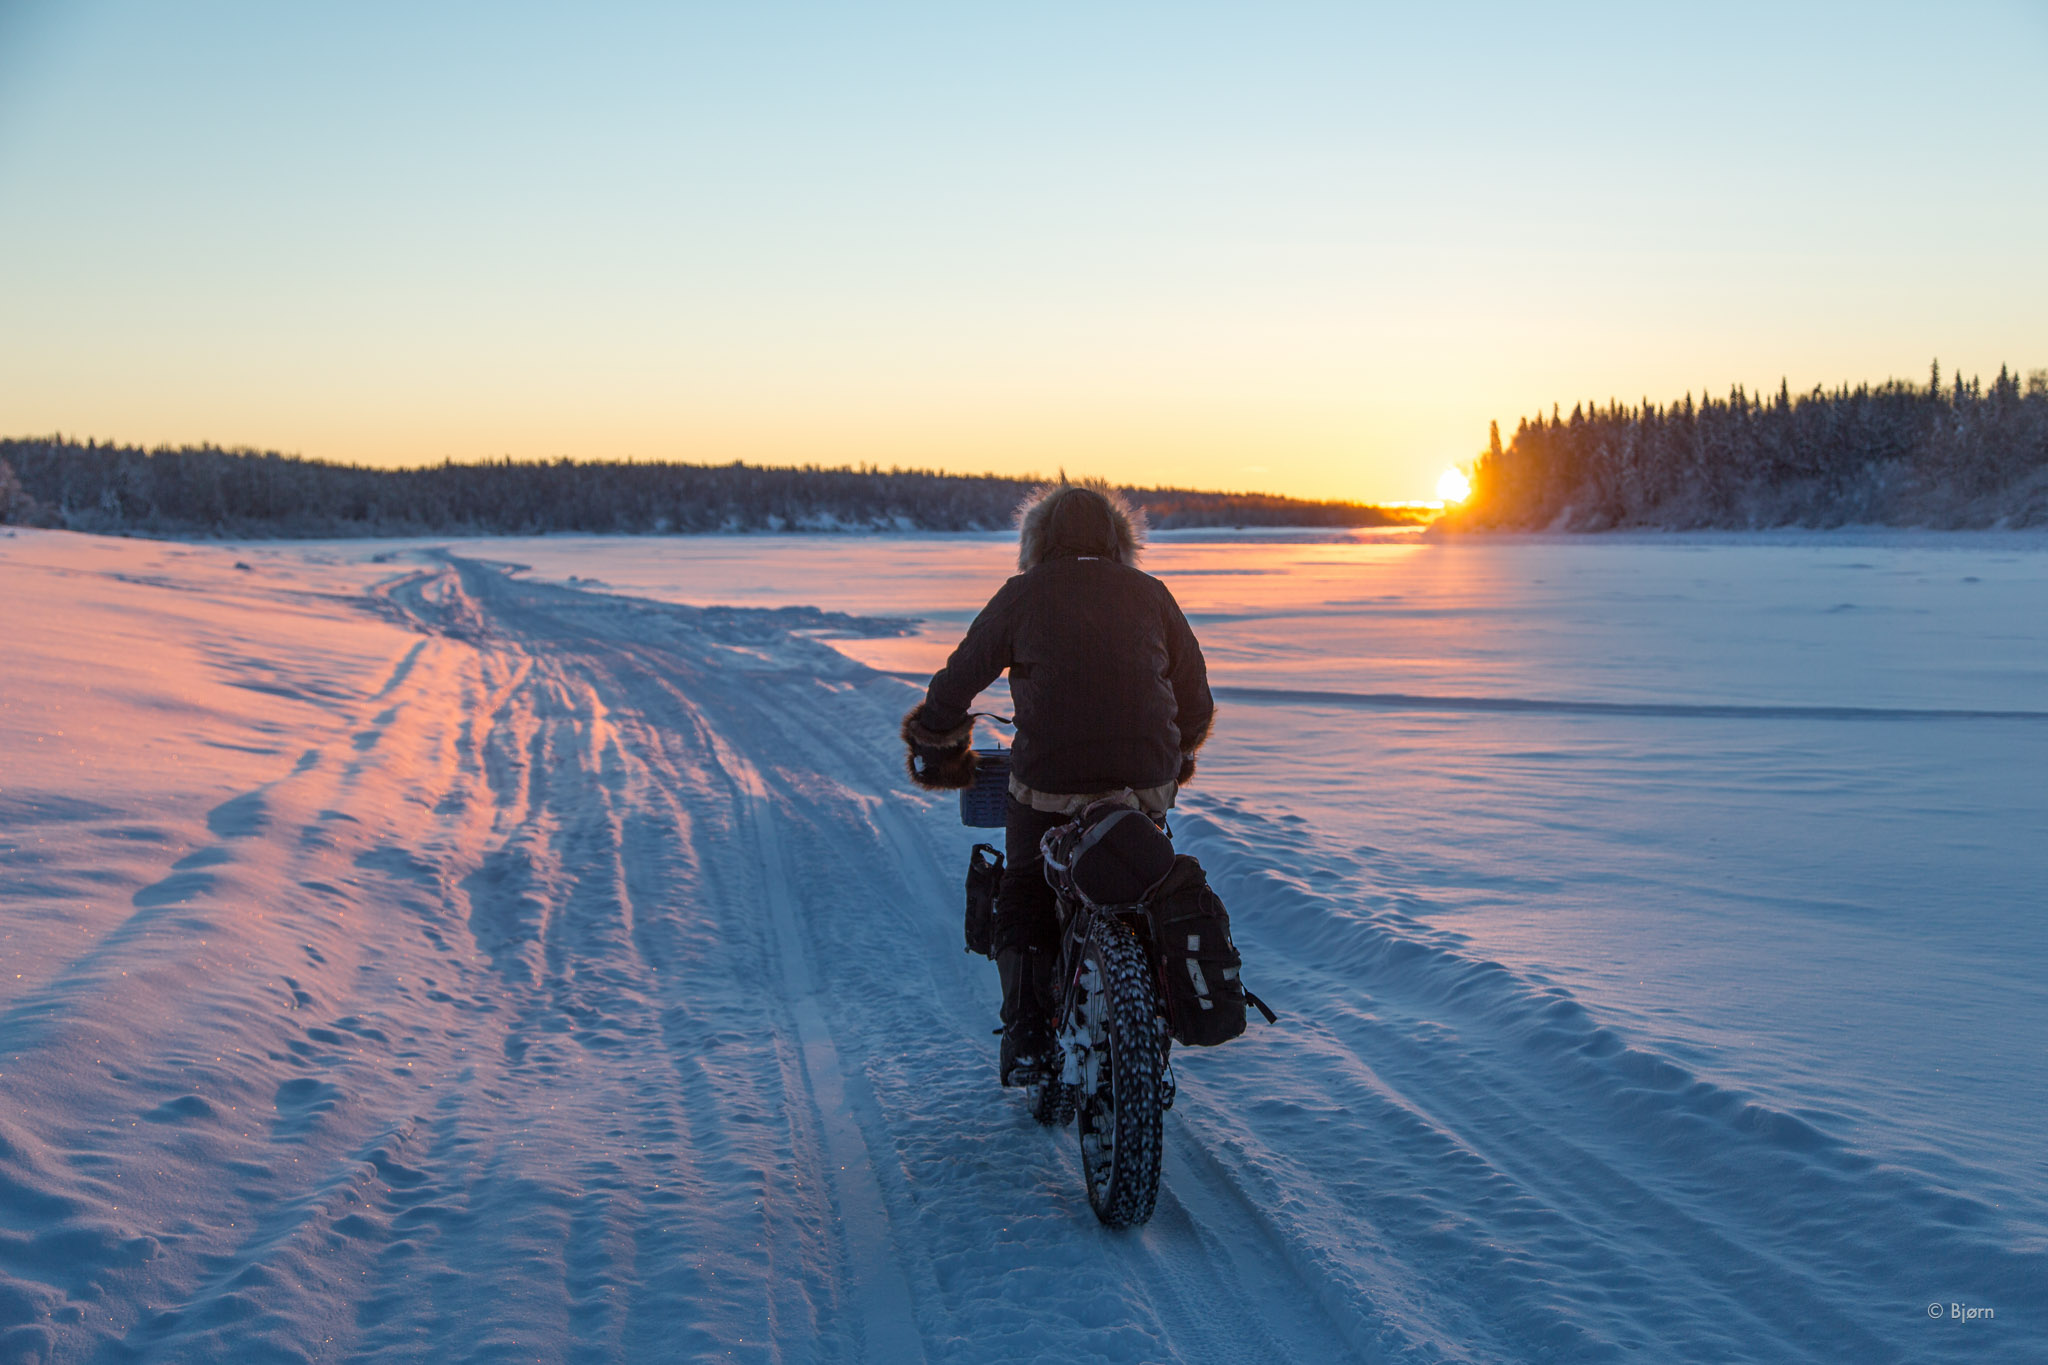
<point x="1111" y="695"/>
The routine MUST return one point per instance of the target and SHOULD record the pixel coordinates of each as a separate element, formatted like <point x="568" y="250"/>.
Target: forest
<point x="1898" y="454"/>
<point x="206" y="491"/>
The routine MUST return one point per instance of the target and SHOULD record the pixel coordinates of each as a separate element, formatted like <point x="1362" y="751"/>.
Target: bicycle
<point x="1121" y="1003"/>
<point x="1109" y="1072"/>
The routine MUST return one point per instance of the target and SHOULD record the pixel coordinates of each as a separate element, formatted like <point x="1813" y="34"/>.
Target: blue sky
<point x="1308" y="248"/>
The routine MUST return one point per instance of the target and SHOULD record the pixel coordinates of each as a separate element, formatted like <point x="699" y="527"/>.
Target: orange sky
<point x="1308" y="249"/>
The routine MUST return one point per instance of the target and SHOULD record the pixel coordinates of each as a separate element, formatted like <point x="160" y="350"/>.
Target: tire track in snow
<point x="889" y="1326"/>
<point x="657" y="1253"/>
<point x="618" y="915"/>
<point x="744" y="824"/>
<point x="804" y="763"/>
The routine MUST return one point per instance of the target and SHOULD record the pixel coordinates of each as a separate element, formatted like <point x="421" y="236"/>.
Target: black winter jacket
<point x="1109" y="683"/>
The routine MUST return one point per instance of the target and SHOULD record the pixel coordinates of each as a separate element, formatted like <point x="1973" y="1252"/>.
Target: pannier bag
<point x="985" y="804"/>
<point x="984" y="875"/>
<point x="1198" y="964"/>
<point x="1111" y="854"/>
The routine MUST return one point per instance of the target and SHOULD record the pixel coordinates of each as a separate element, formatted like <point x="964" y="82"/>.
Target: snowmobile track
<point x="789" y="780"/>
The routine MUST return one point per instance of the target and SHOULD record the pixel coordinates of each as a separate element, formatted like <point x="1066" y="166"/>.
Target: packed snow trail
<point x="592" y="994"/>
<point x="590" y="989"/>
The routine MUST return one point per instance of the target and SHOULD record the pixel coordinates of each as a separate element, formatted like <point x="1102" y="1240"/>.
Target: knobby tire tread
<point x="1124" y="1194"/>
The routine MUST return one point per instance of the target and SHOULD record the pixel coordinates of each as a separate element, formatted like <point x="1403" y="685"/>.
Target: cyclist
<point x="1111" y="694"/>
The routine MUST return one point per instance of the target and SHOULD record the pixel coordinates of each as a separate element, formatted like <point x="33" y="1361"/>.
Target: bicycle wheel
<point x="1118" y="1100"/>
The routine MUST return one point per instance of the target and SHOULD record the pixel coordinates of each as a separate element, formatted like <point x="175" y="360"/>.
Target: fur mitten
<point x="1191" y="740"/>
<point x="938" y="760"/>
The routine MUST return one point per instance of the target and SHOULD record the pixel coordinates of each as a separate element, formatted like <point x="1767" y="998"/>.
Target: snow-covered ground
<point x="405" y="958"/>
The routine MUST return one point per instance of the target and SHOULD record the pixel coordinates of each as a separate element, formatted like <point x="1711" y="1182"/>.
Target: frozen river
<point x="1773" y="805"/>
<point x="1788" y="812"/>
<point x="409" y="958"/>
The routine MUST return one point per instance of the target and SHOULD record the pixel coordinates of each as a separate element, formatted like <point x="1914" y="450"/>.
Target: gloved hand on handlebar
<point x="939" y="760"/>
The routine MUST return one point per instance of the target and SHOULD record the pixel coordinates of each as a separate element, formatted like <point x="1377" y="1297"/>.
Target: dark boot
<point x="1027" y="1025"/>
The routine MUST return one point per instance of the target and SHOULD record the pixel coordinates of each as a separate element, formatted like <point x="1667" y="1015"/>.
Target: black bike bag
<point x="1110" y="854"/>
<point x="1197" y="962"/>
<point x="984" y="879"/>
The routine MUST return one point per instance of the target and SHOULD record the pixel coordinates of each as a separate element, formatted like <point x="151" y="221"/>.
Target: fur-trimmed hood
<point x="1058" y="520"/>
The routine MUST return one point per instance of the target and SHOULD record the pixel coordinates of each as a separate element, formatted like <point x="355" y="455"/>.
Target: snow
<point x="406" y="957"/>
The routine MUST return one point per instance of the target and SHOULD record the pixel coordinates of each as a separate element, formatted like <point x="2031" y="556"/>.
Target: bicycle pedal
<point x="1024" y="1077"/>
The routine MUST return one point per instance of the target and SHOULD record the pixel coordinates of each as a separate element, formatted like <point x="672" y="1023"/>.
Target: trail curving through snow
<point x="589" y="989"/>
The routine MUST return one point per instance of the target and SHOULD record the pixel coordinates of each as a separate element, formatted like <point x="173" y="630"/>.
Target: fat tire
<point x="1121" y="1122"/>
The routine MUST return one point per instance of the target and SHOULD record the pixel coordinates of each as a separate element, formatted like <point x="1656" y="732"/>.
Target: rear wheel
<point x="1119" y="1099"/>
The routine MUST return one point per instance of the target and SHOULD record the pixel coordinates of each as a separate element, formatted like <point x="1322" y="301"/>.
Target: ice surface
<point x="407" y="959"/>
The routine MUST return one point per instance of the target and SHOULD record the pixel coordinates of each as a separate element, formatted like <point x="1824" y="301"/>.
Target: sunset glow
<point x="1308" y="251"/>
<point x="1451" y="486"/>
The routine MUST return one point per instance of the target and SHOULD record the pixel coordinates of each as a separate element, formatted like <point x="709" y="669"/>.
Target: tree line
<point x="205" y="490"/>
<point x="1899" y="454"/>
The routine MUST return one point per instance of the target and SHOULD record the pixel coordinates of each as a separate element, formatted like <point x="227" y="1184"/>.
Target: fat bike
<point x="1108" y="1072"/>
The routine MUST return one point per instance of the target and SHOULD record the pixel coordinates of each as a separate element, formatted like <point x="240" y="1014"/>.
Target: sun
<point x="1453" y="487"/>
